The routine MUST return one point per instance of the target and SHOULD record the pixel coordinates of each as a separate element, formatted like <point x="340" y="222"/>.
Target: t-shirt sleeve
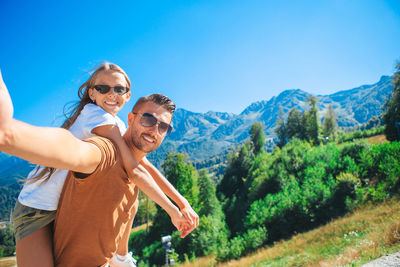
<point x="108" y="154"/>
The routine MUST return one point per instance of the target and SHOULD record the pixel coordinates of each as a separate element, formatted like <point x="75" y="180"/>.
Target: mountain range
<point x="203" y="135"/>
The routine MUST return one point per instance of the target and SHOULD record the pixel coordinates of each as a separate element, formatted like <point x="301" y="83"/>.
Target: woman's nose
<point x="112" y="92"/>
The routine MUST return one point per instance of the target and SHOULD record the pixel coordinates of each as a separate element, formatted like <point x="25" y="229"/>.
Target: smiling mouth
<point x="148" y="139"/>
<point x="111" y="103"/>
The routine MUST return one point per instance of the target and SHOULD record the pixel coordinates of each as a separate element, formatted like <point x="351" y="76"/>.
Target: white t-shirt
<point x="45" y="196"/>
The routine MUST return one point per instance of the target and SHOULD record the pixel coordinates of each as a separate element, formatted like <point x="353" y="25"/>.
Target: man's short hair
<point x="158" y="99"/>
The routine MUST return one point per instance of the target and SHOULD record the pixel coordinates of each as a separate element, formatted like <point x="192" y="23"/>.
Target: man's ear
<point x="131" y="117"/>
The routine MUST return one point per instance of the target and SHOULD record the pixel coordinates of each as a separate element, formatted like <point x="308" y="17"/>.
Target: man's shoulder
<point x="106" y="145"/>
<point x="98" y="139"/>
<point x="110" y="158"/>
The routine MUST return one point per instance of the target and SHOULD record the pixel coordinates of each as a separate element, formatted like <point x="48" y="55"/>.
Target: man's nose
<point x="154" y="128"/>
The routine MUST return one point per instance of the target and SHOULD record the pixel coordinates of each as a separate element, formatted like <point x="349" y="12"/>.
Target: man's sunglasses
<point x="104" y="89"/>
<point x="148" y="120"/>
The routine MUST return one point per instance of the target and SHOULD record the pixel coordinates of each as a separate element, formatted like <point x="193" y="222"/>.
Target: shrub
<point x="155" y="252"/>
<point x="254" y="238"/>
<point x="242" y="244"/>
<point x="211" y="234"/>
<point x="7" y="243"/>
<point x="380" y="165"/>
<point x="353" y="150"/>
<point x="137" y="241"/>
<point x="392" y="235"/>
<point x="350" y="167"/>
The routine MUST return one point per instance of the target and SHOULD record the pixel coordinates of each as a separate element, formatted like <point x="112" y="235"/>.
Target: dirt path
<point x="9" y="259"/>
<point x="391" y="260"/>
<point x="8" y="262"/>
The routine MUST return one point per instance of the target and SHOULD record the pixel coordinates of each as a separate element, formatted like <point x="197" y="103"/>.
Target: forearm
<point x="47" y="146"/>
<point x="152" y="190"/>
<point x="112" y="132"/>
<point x="164" y="184"/>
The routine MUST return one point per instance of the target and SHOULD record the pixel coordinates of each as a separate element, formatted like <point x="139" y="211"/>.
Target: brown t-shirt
<point x="93" y="212"/>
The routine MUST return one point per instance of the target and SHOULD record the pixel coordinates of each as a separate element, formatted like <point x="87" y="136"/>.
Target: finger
<point x="184" y="233"/>
<point x="188" y="216"/>
<point x="190" y="221"/>
<point x="181" y="227"/>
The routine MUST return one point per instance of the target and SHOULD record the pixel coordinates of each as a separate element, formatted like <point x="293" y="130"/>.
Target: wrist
<point x="183" y="204"/>
<point x="173" y="211"/>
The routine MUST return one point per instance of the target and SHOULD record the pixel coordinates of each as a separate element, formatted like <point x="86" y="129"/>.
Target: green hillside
<point x="263" y="198"/>
<point x="12" y="172"/>
<point x="361" y="236"/>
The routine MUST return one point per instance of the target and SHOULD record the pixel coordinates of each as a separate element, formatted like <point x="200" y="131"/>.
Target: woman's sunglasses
<point x="148" y="120"/>
<point x="104" y="89"/>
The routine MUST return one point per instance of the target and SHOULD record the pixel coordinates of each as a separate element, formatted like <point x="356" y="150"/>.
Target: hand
<point x="6" y="107"/>
<point x="179" y="221"/>
<point x="186" y="229"/>
<point x="192" y="220"/>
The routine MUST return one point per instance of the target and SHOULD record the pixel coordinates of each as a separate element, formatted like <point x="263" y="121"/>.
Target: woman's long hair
<point x="74" y="111"/>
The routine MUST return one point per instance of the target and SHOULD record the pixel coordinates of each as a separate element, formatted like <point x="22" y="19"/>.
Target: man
<point x="97" y="198"/>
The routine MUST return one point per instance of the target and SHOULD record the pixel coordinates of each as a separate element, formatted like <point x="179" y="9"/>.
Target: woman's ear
<point x="92" y="94"/>
<point x="128" y="95"/>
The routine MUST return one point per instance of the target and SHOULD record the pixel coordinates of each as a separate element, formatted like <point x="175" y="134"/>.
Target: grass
<point x="355" y="239"/>
<point x="140" y="227"/>
<point x="377" y="139"/>
<point x="8" y="262"/>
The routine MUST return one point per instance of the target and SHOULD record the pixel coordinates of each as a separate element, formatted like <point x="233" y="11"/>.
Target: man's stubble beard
<point x="136" y="141"/>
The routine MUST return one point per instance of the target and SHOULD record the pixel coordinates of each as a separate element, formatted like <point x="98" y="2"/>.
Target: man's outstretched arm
<point x="47" y="146"/>
<point x="170" y="191"/>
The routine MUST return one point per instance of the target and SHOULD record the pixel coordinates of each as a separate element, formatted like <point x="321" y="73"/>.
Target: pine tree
<point x="294" y="125"/>
<point x="330" y="123"/>
<point x="208" y="202"/>
<point x="281" y="129"/>
<point x="236" y="172"/>
<point x="232" y="190"/>
<point x="257" y="137"/>
<point x="392" y="109"/>
<point x="182" y="175"/>
<point x="146" y="211"/>
<point x="212" y="232"/>
<point x="311" y="120"/>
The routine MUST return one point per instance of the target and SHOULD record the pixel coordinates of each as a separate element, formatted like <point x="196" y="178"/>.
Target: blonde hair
<point x="75" y="111"/>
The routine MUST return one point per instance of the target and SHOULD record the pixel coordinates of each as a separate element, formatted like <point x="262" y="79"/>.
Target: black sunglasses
<point x="148" y="120"/>
<point x="104" y="89"/>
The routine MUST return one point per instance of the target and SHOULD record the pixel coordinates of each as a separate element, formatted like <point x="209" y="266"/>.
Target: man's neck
<point x="136" y="153"/>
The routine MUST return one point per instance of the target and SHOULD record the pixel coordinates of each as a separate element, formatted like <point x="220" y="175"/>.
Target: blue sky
<point x="205" y="55"/>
